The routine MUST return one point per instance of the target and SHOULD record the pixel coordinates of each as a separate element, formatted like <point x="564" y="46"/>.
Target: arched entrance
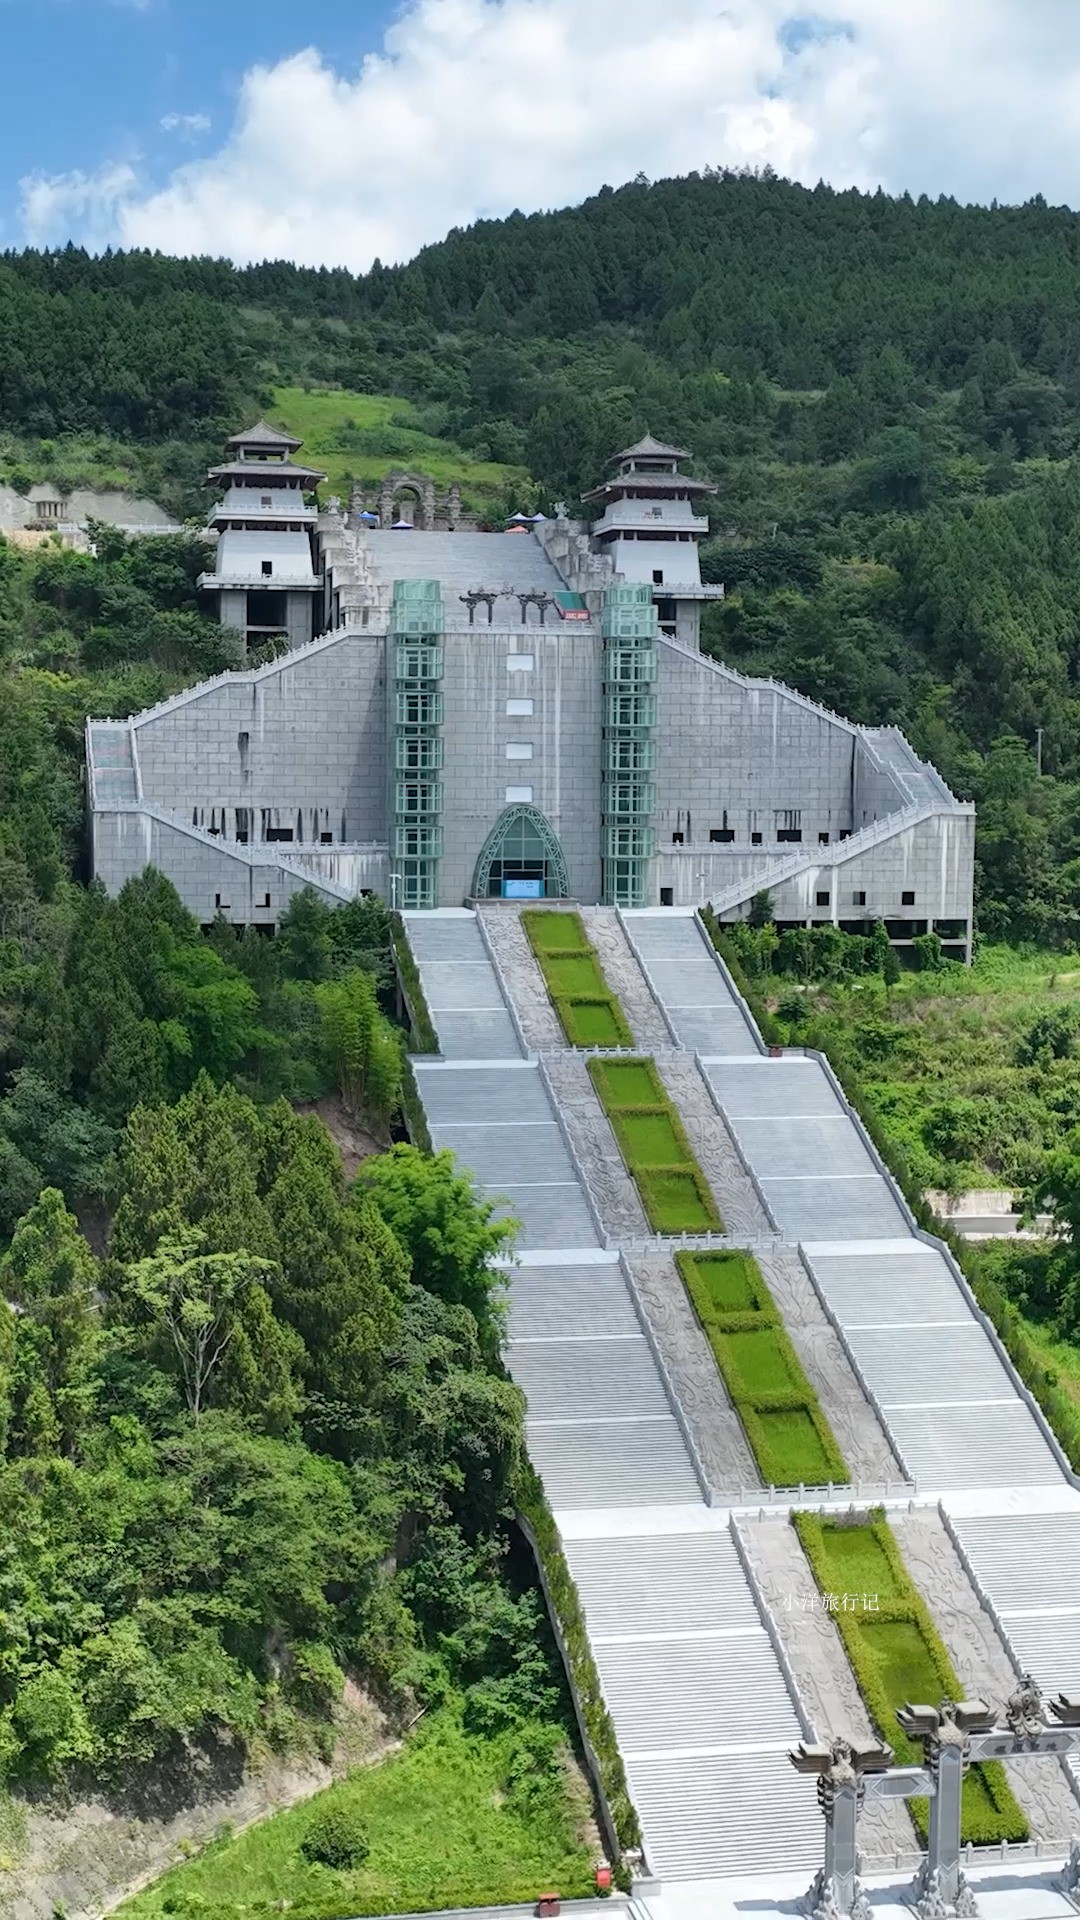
<point x="521" y="860"/>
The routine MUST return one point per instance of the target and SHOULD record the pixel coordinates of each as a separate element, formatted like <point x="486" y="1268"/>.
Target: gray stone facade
<point x="294" y="768"/>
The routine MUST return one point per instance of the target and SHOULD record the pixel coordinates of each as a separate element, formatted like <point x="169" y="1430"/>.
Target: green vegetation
<point x="788" y="1434"/>
<point x="456" y="1819"/>
<point x="897" y="1656"/>
<point x="562" y="1595"/>
<point x="423" y="1035"/>
<point x="674" y="1192"/>
<point x="589" y="1013"/>
<point x="361" y="436"/>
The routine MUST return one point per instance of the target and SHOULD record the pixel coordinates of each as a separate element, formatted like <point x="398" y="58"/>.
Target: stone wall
<point x="746" y="749"/>
<point x="209" y="877"/>
<point x="563" y="731"/>
<point x="308" y="733"/>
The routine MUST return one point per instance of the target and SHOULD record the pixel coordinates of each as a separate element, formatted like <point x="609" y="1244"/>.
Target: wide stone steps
<point x="704" y="1716"/>
<point x="1029" y="1567"/>
<point x="463" y="995"/>
<point x="701" y="1707"/>
<point x="703" y="1012"/>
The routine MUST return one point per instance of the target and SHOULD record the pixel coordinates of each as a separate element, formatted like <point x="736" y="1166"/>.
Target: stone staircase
<point x="688" y="1646"/>
<point x="701" y="1707"/>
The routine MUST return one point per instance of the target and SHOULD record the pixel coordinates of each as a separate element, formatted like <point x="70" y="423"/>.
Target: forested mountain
<point x="886" y="392"/>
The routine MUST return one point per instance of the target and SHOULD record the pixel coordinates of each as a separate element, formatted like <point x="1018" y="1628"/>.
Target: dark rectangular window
<point x="267" y="569"/>
<point x="279" y="833"/>
<point x="793" y="834"/>
<point x="667" y="896"/>
<point x="822" y="899"/>
<point x="823" y="839"/>
<point x="845" y="833"/>
<point x="724" y="835"/>
<point x="858" y="899"/>
<point x="658" y="577"/>
<point x="755" y="839"/>
<point x="907" y="899"/>
<point x="677" y="839"/>
<point x="326" y="839"/>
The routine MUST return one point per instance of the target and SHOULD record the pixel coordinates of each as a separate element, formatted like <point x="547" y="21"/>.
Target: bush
<point x="425" y="1039"/>
<point x="786" y="1430"/>
<point x="336" y="1837"/>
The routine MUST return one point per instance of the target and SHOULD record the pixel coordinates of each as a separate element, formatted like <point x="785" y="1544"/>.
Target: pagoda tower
<point x="265" y="581"/>
<point x="651" y="532"/>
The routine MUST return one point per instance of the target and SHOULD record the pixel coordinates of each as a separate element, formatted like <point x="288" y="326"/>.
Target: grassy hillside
<point x="361" y="436"/>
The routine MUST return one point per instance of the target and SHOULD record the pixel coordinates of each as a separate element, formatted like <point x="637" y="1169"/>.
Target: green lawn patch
<point x="450" y="1821"/>
<point x="588" y="1011"/>
<point x="787" y="1432"/>
<point x="550" y="930"/>
<point x="649" y="1136"/>
<point x="674" y="1192"/>
<point x="624" y="1083"/>
<point x="897" y="1656"/>
<point x="568" y="973"/>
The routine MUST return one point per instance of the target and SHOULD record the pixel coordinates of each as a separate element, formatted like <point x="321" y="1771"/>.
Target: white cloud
<point x="185" y="123"/>
<point x="85" y="206"/>
<point x="475" y="107"/>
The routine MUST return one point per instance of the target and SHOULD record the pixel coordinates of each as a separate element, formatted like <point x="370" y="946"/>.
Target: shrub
<point x="786" y="1430"/>
<point x="335" y="1836"/>
<point x="425" y="1039"/>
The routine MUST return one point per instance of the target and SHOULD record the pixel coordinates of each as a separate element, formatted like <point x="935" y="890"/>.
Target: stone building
<point x="525" y="714"/>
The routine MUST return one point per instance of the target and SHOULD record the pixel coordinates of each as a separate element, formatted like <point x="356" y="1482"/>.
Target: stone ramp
<point x="704" y="1715"/>
<point x="461" y="987"/>
<point x="689" y="983"/>
<point x="982" y="1664"/>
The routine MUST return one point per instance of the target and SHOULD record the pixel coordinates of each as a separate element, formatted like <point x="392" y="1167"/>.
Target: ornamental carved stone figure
<point x="1024" y="1712"/>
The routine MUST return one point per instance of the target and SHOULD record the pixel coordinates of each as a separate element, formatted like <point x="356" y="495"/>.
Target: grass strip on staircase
<point x="786" y="1430"/>
<point x="589" y="1012"/>
<point x="674" y="1192"/>
<point x="897" y="1656"/>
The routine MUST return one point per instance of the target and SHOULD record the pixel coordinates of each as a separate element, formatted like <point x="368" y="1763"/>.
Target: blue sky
<point x="83" y="80"/>
<point x="270" y="129"/>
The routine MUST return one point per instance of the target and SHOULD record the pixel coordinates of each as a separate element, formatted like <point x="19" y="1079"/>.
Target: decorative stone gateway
<point x="431" y="511"/>
<point x="954" y="1735"/>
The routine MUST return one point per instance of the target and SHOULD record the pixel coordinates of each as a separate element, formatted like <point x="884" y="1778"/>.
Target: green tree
<point x="449" y="1233"/>
<point x="198" y="1298"/>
